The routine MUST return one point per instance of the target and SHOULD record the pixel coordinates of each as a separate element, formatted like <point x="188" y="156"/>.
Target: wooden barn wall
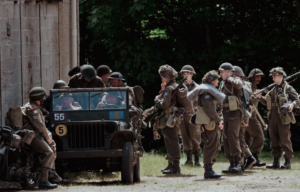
<point x="38" y="50"/>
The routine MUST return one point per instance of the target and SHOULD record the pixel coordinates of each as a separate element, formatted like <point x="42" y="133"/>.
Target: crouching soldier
<point x="166" y="102"/>
<point x="42" y="143"/>
<point x="209" y="116"/>
<point x="279" y="122"/>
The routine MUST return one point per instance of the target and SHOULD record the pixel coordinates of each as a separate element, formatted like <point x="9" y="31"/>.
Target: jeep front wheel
<point x="127" y="159"/>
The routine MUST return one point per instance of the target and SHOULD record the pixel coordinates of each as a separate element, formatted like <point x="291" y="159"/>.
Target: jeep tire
<point x="127" y="159"/>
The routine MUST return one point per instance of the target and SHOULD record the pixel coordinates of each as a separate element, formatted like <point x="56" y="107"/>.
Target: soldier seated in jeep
<point x="66" y="101"/>
<point x="113" y="100"/>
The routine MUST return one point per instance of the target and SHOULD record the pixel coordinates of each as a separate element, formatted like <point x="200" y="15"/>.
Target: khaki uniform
<point x="280" y="133"/>
<point x="210" y="149"/>
<point x="232" y="119"/>
<point x="170" y="134"/>
<point x="190" y="133"/>
<point x="254" y="135"/>
<point x="33" y="120"/>
<point x="77" y="81"/>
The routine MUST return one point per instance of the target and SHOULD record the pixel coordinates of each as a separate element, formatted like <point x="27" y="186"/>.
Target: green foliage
<point x="137" y="36"/>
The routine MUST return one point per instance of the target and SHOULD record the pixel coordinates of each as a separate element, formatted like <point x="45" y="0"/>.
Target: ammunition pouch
<point x="201" y="117"/>
<point x="269" y="102"/>
<point x="282" y="100"/>
<point x="210" y="126"/>
<point x="171" y="119"/>
<point x="28" y="137"/>
<point x="232" y="103"/>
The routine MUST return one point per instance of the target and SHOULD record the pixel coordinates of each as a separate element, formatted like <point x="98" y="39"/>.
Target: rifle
<point x="138" y="125"/>
<point x="289" y="79"/>
<point x="157" y="110"/>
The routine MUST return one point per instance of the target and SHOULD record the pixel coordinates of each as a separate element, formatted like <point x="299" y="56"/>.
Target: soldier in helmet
<point x="190" y="133"/>
<point x="116" y="79"/>
<point x="279" y="123"/>
<point x="209" y="97"/>
<point x="33" y="120"/>
<point x="87" y="78"/>
<point x="166" y="102"/>
<point x="103" y="71"/>
<point x="254" y="135"/>
<point x="66" y="103"/>
<point x="232" y="113"/>
<point x="249" y="160"/>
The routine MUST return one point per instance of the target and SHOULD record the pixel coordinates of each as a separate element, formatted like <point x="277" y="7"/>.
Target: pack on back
<point x="14" y="117"/>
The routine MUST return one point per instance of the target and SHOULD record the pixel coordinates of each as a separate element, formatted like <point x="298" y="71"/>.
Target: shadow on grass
<point x="100" y="183"/>
<point x="214" y="180"/>
<point x="177" y="175"/>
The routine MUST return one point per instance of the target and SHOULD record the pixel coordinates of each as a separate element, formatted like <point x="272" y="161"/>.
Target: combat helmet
<point x="88" y="71"/>
<point x="238" y="71"/>
<point x="188" y="68"/>
<point x="277" y="71"/>
<point x="255" y="72"/>
<point x="116" y="75"/>
<point x="60" y="84"/>
<point x="210" y="77"/>
<point x="226" y="66"/>
<point x="102" y="70"/>
<point x="168" y="72"/>
<point x="37" y="93"/>
<point x="74" y="71"/>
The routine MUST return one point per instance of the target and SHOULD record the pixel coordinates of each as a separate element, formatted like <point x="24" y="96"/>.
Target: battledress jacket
<point x="165" y="101"/>
<point x="77" y="81"/>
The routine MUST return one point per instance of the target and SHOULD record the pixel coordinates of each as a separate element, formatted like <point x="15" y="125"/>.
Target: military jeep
<point x="92" y="131"/>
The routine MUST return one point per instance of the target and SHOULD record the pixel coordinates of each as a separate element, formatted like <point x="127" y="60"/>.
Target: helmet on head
<point x="277" y="71"/>
<point x="65" y="95"/>
<point x="88" y="71"/>
<point x="188" y="68"/>
<point x="37" y="93"/>
<point x="168" y="72"/>
<point x="238" y="71"/>
<point x="74" y="71"/>
<point x="116" y="75"/>
<point x="60" y="84"/>
<point x="226" y="66"/>
<point x="103" y="70"/>
<point x="210" y="77"/>
<point x="255" y="72"/>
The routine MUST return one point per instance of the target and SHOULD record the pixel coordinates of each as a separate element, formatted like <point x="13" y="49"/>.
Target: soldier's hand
<point x="163" y="85"/>
<point x="291" y="107"/>
<point x="100" y="105"/>
<point x="50" y="141"/>
<point x="257" y="94"/>
<point x="158" y="96"/>
<point x="221" y="125"/>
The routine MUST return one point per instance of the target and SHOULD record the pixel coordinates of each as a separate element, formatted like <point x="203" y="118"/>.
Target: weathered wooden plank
<point x="10" y="57"/>
<point x="49" y="43"/>
<point x="30" y="35"/>
<point x="65" y="39"/>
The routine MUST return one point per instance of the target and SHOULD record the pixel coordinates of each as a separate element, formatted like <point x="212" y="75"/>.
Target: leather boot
<point x="169" y="166"/>
<point x="209" y="172"/>
<point x="175" y="169"/>
<point x="275" y="165"/>
<point x="196" y="158"/>
<point x="228" y="170"/>
<point x="237" y="165"/>
<point x="250" y="162"/>
<point x="47" y="185"/>
<point x="287" y="164"/>
<point x="54" y="177"/>
<point x="189" y="159"/>
<point x="258" y="162"/>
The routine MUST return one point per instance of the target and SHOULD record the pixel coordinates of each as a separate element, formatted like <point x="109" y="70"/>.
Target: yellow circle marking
<point x="61" y="130"/>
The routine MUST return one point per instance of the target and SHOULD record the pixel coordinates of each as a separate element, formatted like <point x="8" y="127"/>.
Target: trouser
<point x="191" y="137"/>
<point x="280" y="136"/>
<point x="53" y="147"/>
<point x="210" y="149"/>
<point x="244" y="147"/>
<point x="46" y="157"/>
<point x="172" y="143"/>
<point x="254" y="135"/>
<point x="232" y="125"/>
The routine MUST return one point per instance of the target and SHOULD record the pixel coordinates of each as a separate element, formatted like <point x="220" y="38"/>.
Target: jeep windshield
<point x="94" y="100"/>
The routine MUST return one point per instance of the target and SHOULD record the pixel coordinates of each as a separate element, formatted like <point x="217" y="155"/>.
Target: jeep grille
<point x="85" y="136"/>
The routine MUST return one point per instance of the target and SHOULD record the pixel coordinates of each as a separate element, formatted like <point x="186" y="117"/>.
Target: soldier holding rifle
<point x="280" y="95"/>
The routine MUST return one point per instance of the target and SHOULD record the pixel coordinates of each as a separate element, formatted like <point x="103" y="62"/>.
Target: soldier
<point x="33" y="120"/>
<point x="103" y="71"/>
<point x="208" y="100"/>
<point x="248" y="157"/>
<point x="232" y="113"/>
<point x="66" y="103"/>
<point x="116" y="80"/>
<point x="254" y="135"/>
<point x="166" y="102"/>
<point x="279" y="122"/>
<point x="87" y="78"/>
<point x="190" y="133"/>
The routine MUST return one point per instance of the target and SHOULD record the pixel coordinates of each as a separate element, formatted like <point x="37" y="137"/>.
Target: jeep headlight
<point x="110" y="128"/>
